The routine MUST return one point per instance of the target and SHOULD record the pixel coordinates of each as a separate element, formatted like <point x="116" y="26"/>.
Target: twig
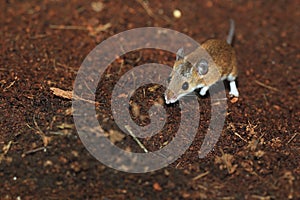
<point x="225" y="161"/>
<point x="93" y="31"/>
<point x="61" y="93"/>
<point x="38" y="128"/>
<point x="65" y="66"/>
<point x="293" y="137"/>
<point x="101" y="27"/>
<point x="266" y="86"/>
<point x="202" y="187"/>
<point x="69" y="95"/>
<point x="39" y="36"/>
<point x="34" y="151"/>
<point x="135" y="139"/>
<point x="227" y="198"/>
<point x="200" y="176"/>
<point x="5" y="150"/>
<point x="57" y="133"/>
<point x="11" y="84"/>
<point x="150" y="12"/>
<point x="261" y="197"/>
<point x="147" y="8"/>
<point x="240" y="137"/>
<point x="68" y="27"/>
<point x="178" y="164"/>
<point x="45" y="138"/>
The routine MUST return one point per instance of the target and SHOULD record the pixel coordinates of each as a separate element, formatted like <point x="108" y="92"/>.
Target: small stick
<point x="266" y="86"/>
<point x="64" y="27"/>
<point x="225" y="162"/>
<point x="39" y="36"/>
<point x="261" y="197"/>
<point x="240" y="137"/>
<point x="38" y="128"/>
<point x="5" y="150"/>
<point x="293" y="137"/>
<point x="150" y="12"/>
<point x="146" y="7"/>
<point x="200" y="176"/>
<point x="66" y="66"/>
<point x="135" y="139"/>
<point x="45" y="138"/>
<point x="34" y="150"/>
<point x="11" y="84"/>
<point x="178" y="165"/>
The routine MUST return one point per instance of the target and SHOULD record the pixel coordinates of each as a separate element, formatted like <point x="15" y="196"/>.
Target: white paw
<point x="203" y="91"/>
<point x="234" y="93"/>
<point x="233" y="89"/>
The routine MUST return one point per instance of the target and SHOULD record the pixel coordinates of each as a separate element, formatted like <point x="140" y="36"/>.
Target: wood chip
<point x="62" y="93"/>
<point x="157" y="187"/>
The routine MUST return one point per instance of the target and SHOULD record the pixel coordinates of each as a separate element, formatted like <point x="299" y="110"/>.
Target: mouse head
<point x="185" y="77"/>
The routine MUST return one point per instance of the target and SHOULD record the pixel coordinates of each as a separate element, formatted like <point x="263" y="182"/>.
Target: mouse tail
<point x="231" y="32"/>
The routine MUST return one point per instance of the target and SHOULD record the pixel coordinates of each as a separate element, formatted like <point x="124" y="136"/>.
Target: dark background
<point x="257" y="155"/>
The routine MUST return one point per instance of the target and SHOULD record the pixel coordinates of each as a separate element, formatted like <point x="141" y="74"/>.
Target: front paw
<point x="203" y="91"/>
<point x="234" y="93"/>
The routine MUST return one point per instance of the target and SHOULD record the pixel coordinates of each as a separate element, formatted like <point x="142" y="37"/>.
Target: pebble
<point x="177" y="13"/>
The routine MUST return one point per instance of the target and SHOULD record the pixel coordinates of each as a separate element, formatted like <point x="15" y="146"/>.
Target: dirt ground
<point x="43" y="44"/>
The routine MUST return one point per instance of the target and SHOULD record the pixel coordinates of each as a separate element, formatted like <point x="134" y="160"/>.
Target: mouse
<point x="215" y="60"/>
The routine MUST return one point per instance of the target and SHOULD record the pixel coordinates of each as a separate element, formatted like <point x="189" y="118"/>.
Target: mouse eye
<point x="185" y="85"/>
<point x="169" y="79"/>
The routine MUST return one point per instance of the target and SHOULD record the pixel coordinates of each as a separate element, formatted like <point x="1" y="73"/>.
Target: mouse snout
<point x="170" y="97"/>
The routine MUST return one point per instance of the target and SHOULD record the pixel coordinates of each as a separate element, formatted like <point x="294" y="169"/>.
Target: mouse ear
<point x="180" y="54"/>
<point x="202" y="67"/>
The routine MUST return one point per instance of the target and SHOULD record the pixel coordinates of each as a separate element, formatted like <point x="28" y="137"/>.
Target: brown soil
<point x="257" y="155"/>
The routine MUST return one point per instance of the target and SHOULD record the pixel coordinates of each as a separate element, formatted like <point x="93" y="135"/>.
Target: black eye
<point x="185" y="85"/>
<point x="169" y="79"/>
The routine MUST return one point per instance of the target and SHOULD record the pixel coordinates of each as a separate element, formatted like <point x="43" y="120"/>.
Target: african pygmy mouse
<point x="214" y="60"/>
